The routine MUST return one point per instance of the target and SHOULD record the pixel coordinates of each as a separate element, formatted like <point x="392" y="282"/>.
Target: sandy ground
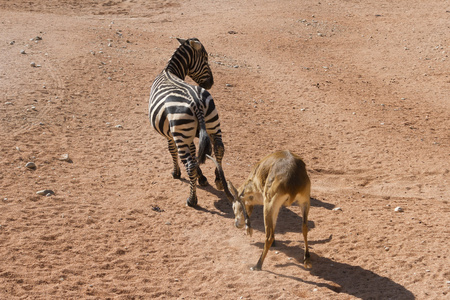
<point x="359" y="89"/>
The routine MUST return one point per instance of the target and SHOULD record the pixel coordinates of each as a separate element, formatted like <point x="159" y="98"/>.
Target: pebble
<point x="398" y="209"/>
<point x="119" y="126"/>
<point x="31" y="165"/>
<point x="65" y="157"/>
<point x="337" y="209"/>
<point x="33" y="64"/>
<point x="22" y="52"/>
<point x="45" y="192"/>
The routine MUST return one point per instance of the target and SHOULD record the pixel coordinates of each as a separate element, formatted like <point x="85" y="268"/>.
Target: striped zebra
<point x="181" y="111"/>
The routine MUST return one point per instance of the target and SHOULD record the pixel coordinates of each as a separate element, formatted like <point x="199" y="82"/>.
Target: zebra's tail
<point x="204" y="144"/>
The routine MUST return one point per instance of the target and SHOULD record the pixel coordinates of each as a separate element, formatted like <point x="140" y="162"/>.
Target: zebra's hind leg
<point x="201" y="179"/>
<point x="176" y="173"/>
<point x="191" y="168"/>
<point x="219" y="151"/>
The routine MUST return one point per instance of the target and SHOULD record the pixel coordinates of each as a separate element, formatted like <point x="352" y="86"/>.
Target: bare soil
<point x="359" y="89"/>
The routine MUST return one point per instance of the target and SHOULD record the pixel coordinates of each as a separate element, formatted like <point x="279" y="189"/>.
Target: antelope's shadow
<point x="343" y="278"/>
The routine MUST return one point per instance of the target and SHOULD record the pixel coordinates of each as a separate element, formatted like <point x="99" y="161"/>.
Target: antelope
<point x="279" y="179"/>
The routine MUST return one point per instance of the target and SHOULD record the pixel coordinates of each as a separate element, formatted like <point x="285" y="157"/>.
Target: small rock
<point x="157" y="208"/>
<point x="119" y="126"/>
<point x="45" y="192"/>
<point x="65" y="157"/>
<point x="31" y="165"/>
<point x="228" y="85"/>
<point x="22" y="52"/>
<point x="386" y="248"/>
<point x="33" y="64"/>
<point x="337" y="209"/>
<point x="168" y="223"/>
<point x="12" y="42"/>
<point x="398" y="209"/>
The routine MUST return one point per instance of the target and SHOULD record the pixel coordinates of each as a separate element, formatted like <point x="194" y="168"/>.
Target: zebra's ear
<point x="181" y="41"/>
<point x="195" y="44"/>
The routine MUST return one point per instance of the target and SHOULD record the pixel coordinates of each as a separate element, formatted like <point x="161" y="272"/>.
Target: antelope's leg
<point x="201" y="179"/>
<point x="176" y="173"/>
<point x="305" y="210"/>
<point x="270" y="220"/>
<point x="249" y="209"/>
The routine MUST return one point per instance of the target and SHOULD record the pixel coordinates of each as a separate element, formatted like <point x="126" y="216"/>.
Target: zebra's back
<point x="175" y="103"/>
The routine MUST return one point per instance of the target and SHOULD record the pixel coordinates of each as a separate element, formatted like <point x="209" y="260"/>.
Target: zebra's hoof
<point x="176" y="175"/>
<point x="202" y="181"/>
<point x="191" y="202"/>
<point x="219" y="184"/>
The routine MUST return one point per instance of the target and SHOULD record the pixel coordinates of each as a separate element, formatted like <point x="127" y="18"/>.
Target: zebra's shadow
<point x="221" y="202"/>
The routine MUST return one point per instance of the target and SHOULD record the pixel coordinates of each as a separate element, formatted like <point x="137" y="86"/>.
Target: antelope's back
<point x="288" y="169"/>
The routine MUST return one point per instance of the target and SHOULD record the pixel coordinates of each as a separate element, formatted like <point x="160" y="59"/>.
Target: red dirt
<point x="359" y="89"/>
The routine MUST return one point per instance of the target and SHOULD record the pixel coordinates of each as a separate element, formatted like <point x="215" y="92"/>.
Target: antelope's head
<point x="236" y="200"/>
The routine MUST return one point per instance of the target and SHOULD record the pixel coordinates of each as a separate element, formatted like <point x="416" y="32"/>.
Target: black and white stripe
<point x="181" y="111"/>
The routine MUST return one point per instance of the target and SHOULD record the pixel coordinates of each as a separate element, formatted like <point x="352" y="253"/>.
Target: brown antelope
<point x="278" y="179"/>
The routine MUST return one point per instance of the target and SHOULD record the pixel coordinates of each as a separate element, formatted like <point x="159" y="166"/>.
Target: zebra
<point x="180" y="112"/>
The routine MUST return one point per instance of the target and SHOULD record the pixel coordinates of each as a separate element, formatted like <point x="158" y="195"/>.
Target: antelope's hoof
<point x="249" y="231"/>
<point x="219" y="185"/>
<point x="202" y="181"/>
<point x="307" y="264"/>
<point x="255" y="268"/>
<point x="176" y="175"/>
<point x="191" y="202"/>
